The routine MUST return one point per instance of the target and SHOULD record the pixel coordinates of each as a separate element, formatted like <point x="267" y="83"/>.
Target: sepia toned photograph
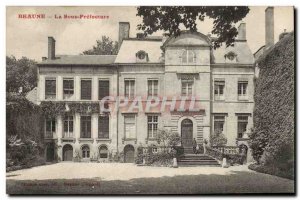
<point x="150" y="100"/>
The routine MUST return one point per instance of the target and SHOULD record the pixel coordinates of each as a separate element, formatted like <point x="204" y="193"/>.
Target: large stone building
<point x="219" y="82"/>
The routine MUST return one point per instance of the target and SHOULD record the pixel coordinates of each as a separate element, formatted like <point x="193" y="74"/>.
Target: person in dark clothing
<point x="194" y="146"/>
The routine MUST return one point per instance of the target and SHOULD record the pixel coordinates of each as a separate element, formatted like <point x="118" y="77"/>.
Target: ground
<point x="125" y="178"/>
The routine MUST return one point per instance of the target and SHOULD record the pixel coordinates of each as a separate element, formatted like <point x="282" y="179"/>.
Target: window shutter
<point x="103" y="89"/>
<point x="86" y="89"/>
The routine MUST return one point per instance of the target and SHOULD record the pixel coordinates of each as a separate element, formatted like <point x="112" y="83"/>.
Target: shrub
<point x="218" y="139"/>
<point x="231" y="158"/>
<point x="168" y="138"/>
<point x="160" y="159"/>
<point x="179" y="151"/>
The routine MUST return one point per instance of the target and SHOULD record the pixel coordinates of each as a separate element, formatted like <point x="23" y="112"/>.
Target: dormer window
<point x="188" y="57"/>
<point x="230" y="57"/>
<point x="141" y="56"/>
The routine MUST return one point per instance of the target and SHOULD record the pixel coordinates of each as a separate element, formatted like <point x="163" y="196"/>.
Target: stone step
<point x="197" y="160"/>
<point x="199" y="163"/>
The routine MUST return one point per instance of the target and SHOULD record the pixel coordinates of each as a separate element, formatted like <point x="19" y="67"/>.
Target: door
<point x="67" y="153"/>
<point x="187" y="133"/>
<point x="50" y="152"/>
<point x="129" y="154"/>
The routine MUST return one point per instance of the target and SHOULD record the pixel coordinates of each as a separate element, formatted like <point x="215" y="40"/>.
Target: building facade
<point x="155" y="70"/>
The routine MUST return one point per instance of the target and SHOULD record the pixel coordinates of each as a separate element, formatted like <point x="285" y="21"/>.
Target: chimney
<point x="242" y="31"/>
<point x="124" y="28"/>
<point x="140" y="35"/>
<point x="51" y="48"/>
<point x="269" y="20"/>
<point x="282" y="35"/>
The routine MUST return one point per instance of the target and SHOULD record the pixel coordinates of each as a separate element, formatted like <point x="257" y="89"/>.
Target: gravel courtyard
<point x="124" y="178"/>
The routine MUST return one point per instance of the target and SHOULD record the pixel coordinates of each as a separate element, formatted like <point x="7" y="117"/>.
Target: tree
<point x="168" y="138"/>
<point x="170" y="18"/>
<point x="20" y="73"/>
<point x="103" y="47"/>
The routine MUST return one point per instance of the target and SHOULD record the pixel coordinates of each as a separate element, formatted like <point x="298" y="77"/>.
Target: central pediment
<point x="188" y="39"/>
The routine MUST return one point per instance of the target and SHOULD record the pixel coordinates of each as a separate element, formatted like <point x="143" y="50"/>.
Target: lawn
<point x="239" y="182"/>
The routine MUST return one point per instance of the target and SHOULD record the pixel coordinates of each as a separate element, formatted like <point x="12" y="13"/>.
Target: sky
<point x="29" y="37"/>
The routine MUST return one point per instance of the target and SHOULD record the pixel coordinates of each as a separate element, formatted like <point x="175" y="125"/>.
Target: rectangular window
<point x="103" y="89"/>
<point x="68" y="127"/>
<point x="219" y="90"/>
<point x="152" y="126"/>
<point x="219" y="121"/>
<point x="242" y="88"/>
<point x="85" y="124"/>
<point x="242" y="125"/>
<point x="152" y="88"/>
<point x="103" y="127"/>
<point x="68" y="88"/>
<point x="129" y="125"/>
<point x="86" y="89"/>
<point x="50" y="128"/>
<point x="50" y="89"/>
<point x="187" y="87"/>
<point x="129" y="88"/>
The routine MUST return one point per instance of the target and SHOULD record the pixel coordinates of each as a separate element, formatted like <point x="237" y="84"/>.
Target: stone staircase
<point x="189" y="159"/>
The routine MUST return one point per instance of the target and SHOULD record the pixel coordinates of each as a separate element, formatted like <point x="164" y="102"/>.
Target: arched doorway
<point x="67" y="153"/>
<point x="50" y="152"/>
<point x="103" y="151"/>
<point x="129" y="154"/>
<point x="187" y="133"/>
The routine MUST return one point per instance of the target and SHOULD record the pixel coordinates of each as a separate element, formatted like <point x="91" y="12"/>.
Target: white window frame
<point x="186" y="87"/>
<point x="152" y="91"/>
<point x="219" y="96"/>
<point x="150" y="133"/>
<point x="187" y="52"/>
<point x="242" y="121"/>
<point x="130" y="96"/>
<point x="63" y="90"/>
<point x="243" y="95"/>
<point x="50" y="79"/>
<point x="219" y="120"/>
<point x="134" y="124"/>
<point x="69" y="134"/>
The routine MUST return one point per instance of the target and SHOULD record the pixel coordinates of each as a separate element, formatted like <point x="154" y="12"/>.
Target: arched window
<point x="85" y="152"/>
<point x="191" y="57"/>
<point x="103" y="152"/>
<point x="188" y="56"/>
<point x="184" y="56"/>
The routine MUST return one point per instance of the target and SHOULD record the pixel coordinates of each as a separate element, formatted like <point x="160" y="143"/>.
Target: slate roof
<point x="241" y="48"/>
<point x="81" y="60"/>
<point x="129" y="48"/>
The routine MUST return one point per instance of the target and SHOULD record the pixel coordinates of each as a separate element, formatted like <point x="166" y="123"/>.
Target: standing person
<point x="194" y="146"/>
<point x="197" y="149"/>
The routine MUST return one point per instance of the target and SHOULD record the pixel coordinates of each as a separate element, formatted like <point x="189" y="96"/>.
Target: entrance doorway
<point x="129" y="154"/>
<point x="187" y="133"/>
<point x="67" y="153"/>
